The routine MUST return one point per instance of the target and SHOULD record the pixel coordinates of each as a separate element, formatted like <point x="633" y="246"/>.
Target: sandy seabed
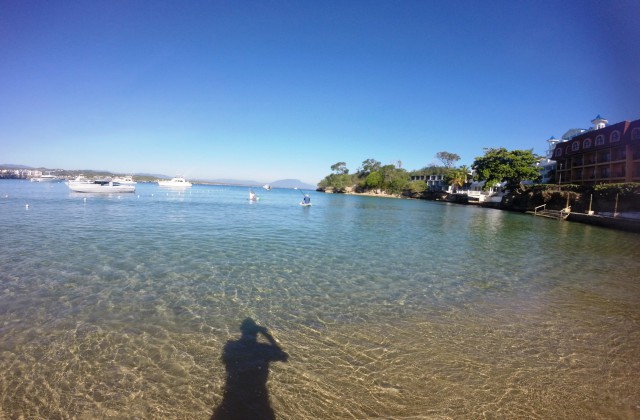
<point x="499" y="363"/>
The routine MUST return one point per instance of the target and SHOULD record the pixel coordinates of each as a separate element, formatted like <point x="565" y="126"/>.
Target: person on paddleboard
<point x="306" y="200"/>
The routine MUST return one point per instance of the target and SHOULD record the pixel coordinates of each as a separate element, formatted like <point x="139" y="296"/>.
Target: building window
<point x="575" y="146"/>
<point x="615" y="136"/>
<point x="635" y="133"/>
<point x="587" y="143"/>
<point x="559" y="151"/>
<point x="600" y="140"/>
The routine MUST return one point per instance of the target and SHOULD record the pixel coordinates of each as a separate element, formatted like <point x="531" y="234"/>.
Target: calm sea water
<point x="120" y="306"/>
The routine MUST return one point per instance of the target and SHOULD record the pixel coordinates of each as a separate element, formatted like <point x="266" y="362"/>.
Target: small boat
<point x="174" y="182"/>
<point x="124" y="180"/>
<point x="266" y="187"/>
<point x="47" y="177"/>
<point x="99" y="186"/>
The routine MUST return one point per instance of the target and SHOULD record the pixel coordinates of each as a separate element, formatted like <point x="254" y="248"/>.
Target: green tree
<point x="394" y="180"/>
<point x="369" y="166"/>
<point x="457" y="177"/>
<point x="447" y="159"/>
<point x="417" y="187"/>
<point x="373" y="180"/>
<point x="340" y="168"/>
<point x="498" y="165"/>
<point x="340" y="182"/>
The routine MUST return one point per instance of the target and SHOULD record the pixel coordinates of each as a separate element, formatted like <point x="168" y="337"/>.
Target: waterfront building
<point x="547" y="165"/>
<point x="434" y="182"/>
<point x="494" y="194"/>
<point x="603" y="154"/>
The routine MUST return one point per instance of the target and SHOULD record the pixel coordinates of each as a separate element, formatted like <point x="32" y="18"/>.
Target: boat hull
<point x="44" y="179"/>
<point x="102" y="188"/>
<point x="175" y="184"/>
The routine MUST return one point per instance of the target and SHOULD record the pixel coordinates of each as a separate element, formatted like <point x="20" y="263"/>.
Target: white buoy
<point x="26" y="206"/>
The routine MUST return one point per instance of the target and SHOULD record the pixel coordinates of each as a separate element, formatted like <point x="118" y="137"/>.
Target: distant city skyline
<point x="283" y="90"/>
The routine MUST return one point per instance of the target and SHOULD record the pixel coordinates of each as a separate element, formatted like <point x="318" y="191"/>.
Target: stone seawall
<point x="619" y="223"/>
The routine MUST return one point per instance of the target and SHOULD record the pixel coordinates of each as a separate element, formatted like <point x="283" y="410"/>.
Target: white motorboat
<point x="45" y="178"/>
<point x="99" y="186"/>
<point x="174" y="182"/>
<point x="266" y="187"/>
<point x="124" y="180"/>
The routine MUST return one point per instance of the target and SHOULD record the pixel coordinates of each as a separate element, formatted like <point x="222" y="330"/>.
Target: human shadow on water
<point x="247" y="363"/>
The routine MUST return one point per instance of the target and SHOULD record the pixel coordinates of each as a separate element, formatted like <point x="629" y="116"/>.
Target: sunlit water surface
<point x="119" y="306"/>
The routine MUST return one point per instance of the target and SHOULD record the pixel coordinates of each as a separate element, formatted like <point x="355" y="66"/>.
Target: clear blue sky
<point x="266" y="90"/>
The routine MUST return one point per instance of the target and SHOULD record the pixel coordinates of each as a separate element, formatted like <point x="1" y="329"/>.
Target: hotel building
<point x="603" y="155"/>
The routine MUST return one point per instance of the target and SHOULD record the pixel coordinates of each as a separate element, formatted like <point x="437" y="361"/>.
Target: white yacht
<point x="174" y="182"/>
<point x="47" y="177"/>
<point x="99" y="186"/>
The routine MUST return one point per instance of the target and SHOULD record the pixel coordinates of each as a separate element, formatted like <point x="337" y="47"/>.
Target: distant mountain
<point x="12" y="166"/>
<point x="292" y="183"/>
<point x="282" y="183"/>
<point x="158" y="176"/>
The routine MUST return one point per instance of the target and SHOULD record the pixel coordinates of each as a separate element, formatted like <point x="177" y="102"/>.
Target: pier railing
<point x="539" y="208"/>
<point x="552" y="214"/>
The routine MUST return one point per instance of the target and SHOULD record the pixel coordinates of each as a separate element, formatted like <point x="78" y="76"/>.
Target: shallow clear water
<point x="120" y="306"/>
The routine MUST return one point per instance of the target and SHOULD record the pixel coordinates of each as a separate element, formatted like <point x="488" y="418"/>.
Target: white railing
<point x="541" y="209"/>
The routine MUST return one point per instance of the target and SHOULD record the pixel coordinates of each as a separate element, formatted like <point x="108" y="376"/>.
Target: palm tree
<point x="458" y="177"/>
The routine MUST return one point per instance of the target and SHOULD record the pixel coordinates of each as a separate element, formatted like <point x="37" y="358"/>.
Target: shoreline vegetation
<point x="501" y="179"/>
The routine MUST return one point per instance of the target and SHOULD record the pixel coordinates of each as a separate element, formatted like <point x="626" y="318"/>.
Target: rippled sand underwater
<point x="129" y="320"/>
<point x="458" y="364"/>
